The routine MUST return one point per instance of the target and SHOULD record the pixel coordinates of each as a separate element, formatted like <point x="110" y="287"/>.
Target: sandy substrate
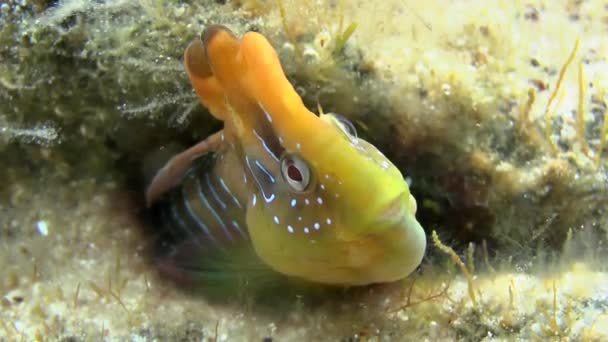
<point x="99" y="285"/>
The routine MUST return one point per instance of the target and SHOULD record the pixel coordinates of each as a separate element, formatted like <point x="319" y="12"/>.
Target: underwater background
<point x="495" y="111"/>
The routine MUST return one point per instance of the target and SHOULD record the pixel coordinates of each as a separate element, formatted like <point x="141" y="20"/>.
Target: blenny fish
<point x="296" y="192"/>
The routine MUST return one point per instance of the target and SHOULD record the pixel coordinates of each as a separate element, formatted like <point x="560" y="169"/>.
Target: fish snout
<point x="393" y="213"/>
<point x="402" y="237"/>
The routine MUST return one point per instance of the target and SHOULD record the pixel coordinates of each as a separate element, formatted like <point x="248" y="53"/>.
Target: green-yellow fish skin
<point x="320" y="204"/>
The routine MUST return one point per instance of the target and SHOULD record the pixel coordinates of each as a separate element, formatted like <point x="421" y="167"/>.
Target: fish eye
<point x="345" y="126"/>
<point x="295" y="172"/>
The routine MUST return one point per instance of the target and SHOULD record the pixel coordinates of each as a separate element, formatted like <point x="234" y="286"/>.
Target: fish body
<point x="302" y="192"/>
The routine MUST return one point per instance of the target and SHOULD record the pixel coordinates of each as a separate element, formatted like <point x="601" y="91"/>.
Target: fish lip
<point x="394" y="211"/>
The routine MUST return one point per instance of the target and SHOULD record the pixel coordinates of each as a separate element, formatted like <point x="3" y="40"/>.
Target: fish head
<point x="324" y="204"/>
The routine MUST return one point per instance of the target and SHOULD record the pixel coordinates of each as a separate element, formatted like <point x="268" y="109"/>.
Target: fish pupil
<point x="294" y="173"/>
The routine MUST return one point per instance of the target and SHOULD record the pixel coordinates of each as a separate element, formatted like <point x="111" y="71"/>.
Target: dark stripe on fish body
<point x="201" y="211"/>
<point x="229" y="192"/>
<point x="211" y="187"/>
<point x="207" y="207"/>
<point x="262" y="177"/>
<point x="228" y="205"/>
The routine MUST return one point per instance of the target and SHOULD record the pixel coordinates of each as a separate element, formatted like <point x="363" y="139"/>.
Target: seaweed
<point x="467" y="272"/>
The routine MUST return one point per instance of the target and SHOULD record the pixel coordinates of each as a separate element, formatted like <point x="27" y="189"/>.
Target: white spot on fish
<point x="328" y="220"/>
<point x="268" y="117"/>
<point x="290" y="229"/>
<point x="319" y="200"/>
<point x="306" y="231"/>
<point x="317" y="225"/>
<point x="294" y="202"/>
<point x="322" y="187"/>
<point x="276" y="220"/>
<point x="306" y="201"/>
<point x="254" y="200"/>
<point x="299" y="218"/>
<point x="269" y="199"/>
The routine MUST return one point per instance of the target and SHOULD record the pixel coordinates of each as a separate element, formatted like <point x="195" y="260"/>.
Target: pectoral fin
<point x="171" y="174"/>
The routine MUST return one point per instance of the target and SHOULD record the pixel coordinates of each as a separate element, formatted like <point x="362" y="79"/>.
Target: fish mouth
<point x="401" y="237"/>
<point x="394" y="212"/>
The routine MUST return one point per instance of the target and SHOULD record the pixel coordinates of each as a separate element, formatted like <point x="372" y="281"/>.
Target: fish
<point x="279" y="188"/>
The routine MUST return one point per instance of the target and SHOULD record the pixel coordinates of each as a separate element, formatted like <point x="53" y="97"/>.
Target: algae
<point x="501" y="133"/>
